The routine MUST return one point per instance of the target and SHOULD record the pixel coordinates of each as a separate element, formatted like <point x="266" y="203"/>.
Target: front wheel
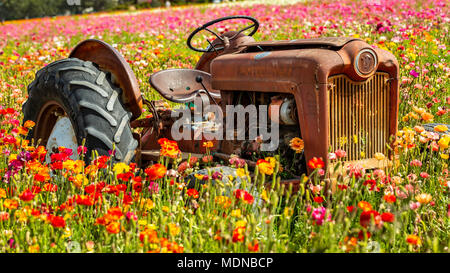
<point x="71" y="100"/>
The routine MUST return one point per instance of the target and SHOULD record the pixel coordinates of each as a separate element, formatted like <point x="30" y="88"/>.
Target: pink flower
<point x="413" y="73"/>
<point x="414" y="205"/>
<point x="416" y="163"/>
<point x="356" y="170"/>
<point x="153" y="187"/>
<point x="340" y="153"/>
<point x="424" y="175"/>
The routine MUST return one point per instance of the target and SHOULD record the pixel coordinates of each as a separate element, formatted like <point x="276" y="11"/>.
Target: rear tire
<point x="89" y="99"/>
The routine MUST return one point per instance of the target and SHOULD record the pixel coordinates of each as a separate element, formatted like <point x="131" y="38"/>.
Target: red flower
<point x="137" y="186"/>
<point x="156" y="171"/>
<point x="243" y="195"/>
<point x="387" y="217"/>
<point x="57" y="221"/>
<point x="26" y="195"/>
<point x="366" y="216"/>
<point x="350" y="208"/>
<point x="318" y="199"/>
<point x="238" y="234"/>
<point x="316" y="163"/>
<point x="192" y="193"/>
<point x="361" y="235"/>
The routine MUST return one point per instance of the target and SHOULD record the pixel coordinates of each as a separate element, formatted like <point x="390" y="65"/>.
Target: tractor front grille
<point x="359" y="115"/>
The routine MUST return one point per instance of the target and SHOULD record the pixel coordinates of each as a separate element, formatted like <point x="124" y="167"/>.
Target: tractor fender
<point x="109" y="59"/>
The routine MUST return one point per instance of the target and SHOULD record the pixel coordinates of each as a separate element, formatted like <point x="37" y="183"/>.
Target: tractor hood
<point x="281" y="65"/>
<point x="326" y="42"/>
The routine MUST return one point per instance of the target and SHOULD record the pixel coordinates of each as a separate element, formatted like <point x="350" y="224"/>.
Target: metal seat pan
<point x="180" y="85"/>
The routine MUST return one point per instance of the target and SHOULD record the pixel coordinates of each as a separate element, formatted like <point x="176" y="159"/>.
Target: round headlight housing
<point x="365" y="62"/>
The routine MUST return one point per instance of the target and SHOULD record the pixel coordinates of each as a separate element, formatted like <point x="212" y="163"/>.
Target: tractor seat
<point x="181" y="86"/>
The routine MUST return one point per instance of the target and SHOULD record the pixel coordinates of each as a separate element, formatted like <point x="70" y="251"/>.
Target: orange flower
<point x="156" y="171"/>
<point x="149" y="235"/>
<point x="413" y="240"/>
<point x="253" y="247"/>
<point x="424" y="198"/>
<point x="365" y="206"/>
<point x="168" y="148"/>
<point x="297" y="144"/>
<point x="2" y="193"/>
<point x="11" y="204"/>
<point x="316" y="163"/>
<point x="264" y="167"/>
<point x="29" y="124"/>
<point x="115" y="213"/>
<point x="390" y="198"/>
<point x="427" y="116"/>
<point x="113" y="227"/>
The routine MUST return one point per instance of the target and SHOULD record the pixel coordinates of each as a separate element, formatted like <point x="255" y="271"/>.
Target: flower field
<point x="68" y="206"/>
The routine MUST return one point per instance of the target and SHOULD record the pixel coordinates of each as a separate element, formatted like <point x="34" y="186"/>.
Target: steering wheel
<point x="223" y="39"/>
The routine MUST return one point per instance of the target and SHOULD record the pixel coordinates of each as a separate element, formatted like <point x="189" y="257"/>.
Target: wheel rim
<point x="55" y="129"/>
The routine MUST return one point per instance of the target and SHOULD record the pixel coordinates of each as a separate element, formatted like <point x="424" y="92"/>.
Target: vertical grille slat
<point x="359" y="115"/>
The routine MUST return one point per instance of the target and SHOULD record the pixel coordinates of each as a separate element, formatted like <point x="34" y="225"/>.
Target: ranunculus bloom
<point x="244" y="196"/>
<point x="156" y="171"/>
<point x="297" y="144"/>
<point x="169" y="148"/>
<point x="387" y="217"/>
<point x="390" y="198"/>
<point x="340" y="153"/>
<point x="26" y="195"/>
<point x="366" y="216"/>
<point x="413" y="240"/>
<point x="316" y="163"/>
<point x="57" y="221"/>
<point x="192" y="193"/>
<point x="424" y="198"/>
<point x="264" y="167"/>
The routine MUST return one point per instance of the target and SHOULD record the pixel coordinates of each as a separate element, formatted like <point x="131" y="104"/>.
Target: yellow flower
<point x="241" y="172"/>
<point x="288" y="212"/>
<point x="33" y="249"/>
<point x="148" y="204"/>
<point x="444" y="141"/>
<point x="440" y="128"/>
<point x="174" y="229"/>
<point x="223" y="201"/>
<point x="444" y="156"/>
<point x="271" y="160"/>
<point x="241" y="224"/>
<point x="236" y="213"/>
<point x="80" y="180"/>
<point x="165" y="208"/>
<point x="264" y="196"/>
<point x="67" y="233"/>
<point x="264" y="167"/>
<point x="379" y="156"/>
<point x="121" y="168"/>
